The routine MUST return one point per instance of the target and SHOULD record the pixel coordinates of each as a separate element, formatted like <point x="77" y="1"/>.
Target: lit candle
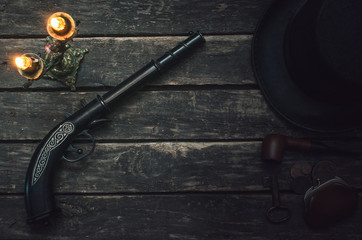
<point x="61" y="26"/>
<point x="58" y="24"/>
<point x="23" y="63"/>
<point x="29" y="65"/>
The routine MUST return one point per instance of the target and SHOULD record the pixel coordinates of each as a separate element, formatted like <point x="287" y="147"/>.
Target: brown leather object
<point x="329" y="202"/>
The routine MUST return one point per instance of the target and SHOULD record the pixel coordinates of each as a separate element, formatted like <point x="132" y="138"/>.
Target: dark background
<point x="181" y="158"/>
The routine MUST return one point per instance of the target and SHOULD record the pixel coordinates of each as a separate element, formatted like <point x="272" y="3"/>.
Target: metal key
<point x="276" y="213"/>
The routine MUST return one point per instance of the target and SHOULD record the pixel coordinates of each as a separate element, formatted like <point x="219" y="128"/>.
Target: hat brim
<point x="276" y="84"/>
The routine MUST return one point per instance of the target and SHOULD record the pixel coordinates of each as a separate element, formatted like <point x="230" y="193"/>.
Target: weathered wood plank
<point x="223" y="60"/>
<point x="100" y="17"/>
<point x="205" y="114"/>
<point x="192" y="216"/>
<point x="167" y="167"/>
<point x="208" y="114"/>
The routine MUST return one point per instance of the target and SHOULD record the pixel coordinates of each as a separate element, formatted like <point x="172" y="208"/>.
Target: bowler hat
<point x="307" y="59"/>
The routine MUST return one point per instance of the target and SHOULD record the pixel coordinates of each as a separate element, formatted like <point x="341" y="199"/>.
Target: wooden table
<point x="181" y="158"/>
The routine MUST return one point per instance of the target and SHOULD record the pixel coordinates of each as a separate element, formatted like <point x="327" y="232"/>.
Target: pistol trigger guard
<point x="80" y="151"/>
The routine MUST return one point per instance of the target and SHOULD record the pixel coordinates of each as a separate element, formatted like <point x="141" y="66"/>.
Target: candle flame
<point x="23" y="62"/>
<point x="61" y="26"/>
<point x="58" y="23"/>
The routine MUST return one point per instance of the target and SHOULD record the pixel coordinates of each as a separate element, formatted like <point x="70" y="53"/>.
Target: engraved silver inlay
<point x="54" y="141"/>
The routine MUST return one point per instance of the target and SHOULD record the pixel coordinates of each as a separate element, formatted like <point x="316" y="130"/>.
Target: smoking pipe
<point x="274" y="145"/>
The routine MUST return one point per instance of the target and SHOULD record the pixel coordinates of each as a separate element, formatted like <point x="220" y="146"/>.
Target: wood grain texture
<point x="99" y="17"/>
<point x="215" y="114"/>
<point x="153" y="115"/>
<point x="181" y="158"/>
<point x="168" y="167"/>
<point x="191" y="216"/>
<point x="223" y="60"/>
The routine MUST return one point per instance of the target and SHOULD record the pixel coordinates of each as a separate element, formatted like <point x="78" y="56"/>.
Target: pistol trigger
<point x="71" y="148"/>
<point x="80" y="151"/>
<point x="98" y="122"/>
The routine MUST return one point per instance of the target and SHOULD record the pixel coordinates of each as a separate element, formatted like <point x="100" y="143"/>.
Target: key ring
<point x="278" y="214"/>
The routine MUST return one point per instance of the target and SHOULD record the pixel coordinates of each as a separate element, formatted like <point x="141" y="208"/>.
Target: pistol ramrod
<point x="39" y="199"/>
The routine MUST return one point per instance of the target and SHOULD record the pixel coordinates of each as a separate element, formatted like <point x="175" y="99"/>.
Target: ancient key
<point x="277" y="213"/>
